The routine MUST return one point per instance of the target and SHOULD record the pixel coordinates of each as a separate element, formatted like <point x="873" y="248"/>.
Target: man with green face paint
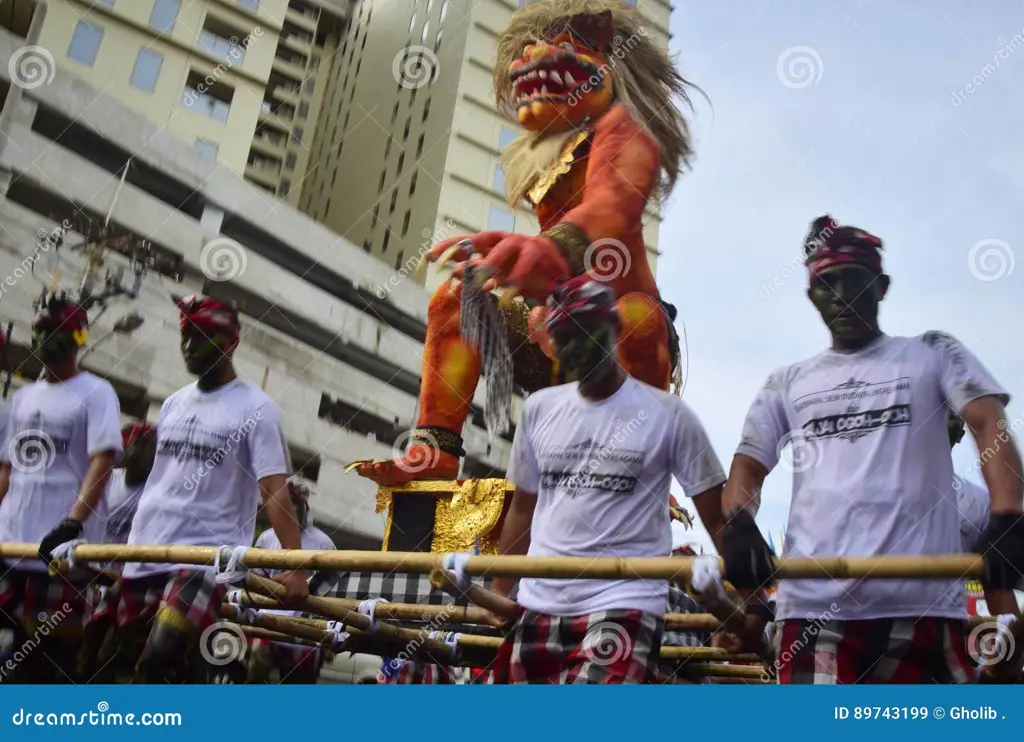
<point x="592" y="463"/>
<point x="865" y="426"/>
<point x="60" y="444"/>
<point x="220" y="450"/>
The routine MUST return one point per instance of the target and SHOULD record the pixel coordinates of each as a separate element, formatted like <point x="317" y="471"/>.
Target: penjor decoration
<point x="603" y="138"/>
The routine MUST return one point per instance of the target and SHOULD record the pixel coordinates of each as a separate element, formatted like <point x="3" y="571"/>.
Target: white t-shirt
<point x="122" y="502"/>
<point x="53" y="430"/>
<point x="313" y="539"/>
<point x="212" y="449"/>
<point x="602" y="473"/>
<point x="872" y="470"/>
<point x="975" y="506"/>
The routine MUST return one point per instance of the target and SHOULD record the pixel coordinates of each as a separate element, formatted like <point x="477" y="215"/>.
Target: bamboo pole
<point x="714" y="670"/>
<point x="936" y="566"/>
<point x="496" y="605"/>
<point x="351" y="619"/>
<point x="255" y="632"/>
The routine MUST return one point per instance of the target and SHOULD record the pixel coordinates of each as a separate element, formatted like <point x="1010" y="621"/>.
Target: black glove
<point x="67" y="530"/>
<point x="749" y="561"/>
<point x="1003" y="551"/>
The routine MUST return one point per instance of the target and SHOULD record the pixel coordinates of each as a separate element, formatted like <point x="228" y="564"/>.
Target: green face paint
<point x="201" y="353"/>
<point x="847" y="299"/>
<point x="581" y="352"/>
<point x="52" y="347"/>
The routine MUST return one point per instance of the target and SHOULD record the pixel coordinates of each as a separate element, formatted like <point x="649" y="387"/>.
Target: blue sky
<point x="867" y="130"/>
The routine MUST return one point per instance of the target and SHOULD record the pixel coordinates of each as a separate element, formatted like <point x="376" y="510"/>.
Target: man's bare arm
<point x="94" y="484"/>
<point x="743" y="489"/>
<point x="1000" y="459"/>
<point x="709" y="509"/>
<point x="515" y="534"/>
<point x="274" y="490"/>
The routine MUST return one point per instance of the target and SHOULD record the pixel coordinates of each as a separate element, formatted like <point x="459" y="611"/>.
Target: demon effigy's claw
<point x="357" y="464"/>
<point x="448" y="254"/>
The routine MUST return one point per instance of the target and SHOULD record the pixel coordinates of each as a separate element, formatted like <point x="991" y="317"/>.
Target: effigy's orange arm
<point x="621" y="176"/>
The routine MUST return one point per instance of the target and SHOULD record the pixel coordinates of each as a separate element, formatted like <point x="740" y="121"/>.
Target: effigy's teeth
<point x="447" y="255"/>
<point x="511" y="293"/>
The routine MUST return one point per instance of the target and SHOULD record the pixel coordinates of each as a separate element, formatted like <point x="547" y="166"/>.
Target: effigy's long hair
<point x="645" y="80"/>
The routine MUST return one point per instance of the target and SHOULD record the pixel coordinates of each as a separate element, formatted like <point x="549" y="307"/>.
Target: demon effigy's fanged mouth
<point x="555" y="78"/>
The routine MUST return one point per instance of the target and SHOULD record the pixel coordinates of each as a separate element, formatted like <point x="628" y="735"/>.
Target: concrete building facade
<point x="236" y="79"/>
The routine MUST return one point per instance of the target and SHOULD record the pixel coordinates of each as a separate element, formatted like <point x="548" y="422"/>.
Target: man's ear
<point x="883" y="283"/>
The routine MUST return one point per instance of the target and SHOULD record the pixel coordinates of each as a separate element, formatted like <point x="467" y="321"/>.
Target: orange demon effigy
<point x="603" y="138"/>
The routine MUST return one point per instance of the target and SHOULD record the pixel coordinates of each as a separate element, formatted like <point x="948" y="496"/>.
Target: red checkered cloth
<point x="28" y="599"/>
<point x="609" y="647"/>
<point x="877" y="651"/>
<point x="118" y="632"/>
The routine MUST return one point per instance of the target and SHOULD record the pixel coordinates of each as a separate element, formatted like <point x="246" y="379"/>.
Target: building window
<point x="85" y="43"/>
<point x="387" y="239"/>
<point x="437" y="40"/>
<point x="217" y="39"/>
<point x="310" y="84"/>
<point x="501" y="219"/>
<point x="499" y="179"/>
<point x="412" y="182"/>
<point x="146" y="71"/>
<point x="444" y="11"/>
<point x="401" y="164"/>
<point x="213" y="101"/>
<point x="108" y="3"/>
<point x="506" y="137"/>
<point x="425" y="32"/>
<point x="303" y="110"/>
<point x="297" y="134"/>
<point x="165" y="13"/>
<point x="419" y="147"/>
<point x="253" y="5"/>
<point x="286" y="186"/>
<point x="412" y="23"/>
<point x="426" y="109"/>
<point x="376" y="216"/>
<point x="394" y="201"/>
<point x="408" y="127"/>
<point x="405" y="223"/>
<point x="289" y="161"/>
<point x="206" y="148"/>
